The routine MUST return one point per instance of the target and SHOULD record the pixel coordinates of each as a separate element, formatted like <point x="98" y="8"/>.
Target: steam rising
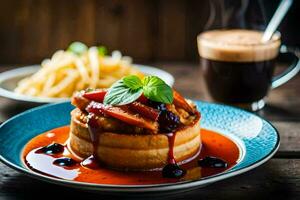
<point x="248" y="14"/>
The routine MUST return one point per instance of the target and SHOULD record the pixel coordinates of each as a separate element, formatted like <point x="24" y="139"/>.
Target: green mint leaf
<point x="157" y="90"/>
<point x="102" y="50"/>
<point x="89" y="90"/>
<point x="133" y="82"/>
<point x="120" y="94"/>
<point x="77" y="48"/>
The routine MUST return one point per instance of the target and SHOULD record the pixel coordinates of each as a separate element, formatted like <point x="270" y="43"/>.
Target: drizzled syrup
<point x="213" y="144"/>
<point x="169" y="122"/>
<point x="172" y="169"/>
<point x="95" y="131"/>
<point x="171" y="140"/>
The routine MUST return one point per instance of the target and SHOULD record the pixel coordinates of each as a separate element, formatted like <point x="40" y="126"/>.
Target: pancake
<point x="134" y="151"/>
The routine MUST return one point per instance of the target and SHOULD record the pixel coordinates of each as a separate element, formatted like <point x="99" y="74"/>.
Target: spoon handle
<point x="276" y="19"/>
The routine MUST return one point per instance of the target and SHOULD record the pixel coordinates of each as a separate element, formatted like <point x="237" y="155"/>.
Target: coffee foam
<point x="237" y="45"/>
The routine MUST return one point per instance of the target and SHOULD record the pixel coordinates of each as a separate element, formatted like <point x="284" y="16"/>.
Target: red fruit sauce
<point x="213" y="144"/>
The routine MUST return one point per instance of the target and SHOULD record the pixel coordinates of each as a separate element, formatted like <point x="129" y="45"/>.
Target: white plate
<point x="9" y="80"/>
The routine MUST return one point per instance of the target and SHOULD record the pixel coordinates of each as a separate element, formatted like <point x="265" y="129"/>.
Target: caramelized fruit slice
<point x="142" y="99"/>
<point x="144" y="110"/>
<point x="123" y="115"/>
<point x="97" y="95"/>
<point x="79" y="101"/>
<point x="180" y="102"/>
<point x="138" y="106"/>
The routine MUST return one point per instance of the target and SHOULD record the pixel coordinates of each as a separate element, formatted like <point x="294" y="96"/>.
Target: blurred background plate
<point x="9" y="80"/>
<point x="13" y="103"/>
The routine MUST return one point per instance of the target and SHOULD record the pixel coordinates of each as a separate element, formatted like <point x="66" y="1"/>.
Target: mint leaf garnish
<point x="157" y="90"/>
<point x="130" y="88"/>
<point x="133" y="82"/>
<point x="120" y="94"/>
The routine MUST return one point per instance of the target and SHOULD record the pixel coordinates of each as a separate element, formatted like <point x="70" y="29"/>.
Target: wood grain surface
<point x="277" y="179"/>
<point x="148" y="30"/>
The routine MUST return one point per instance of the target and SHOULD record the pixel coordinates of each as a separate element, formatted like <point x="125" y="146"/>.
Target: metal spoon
<point x="276" y="19"/>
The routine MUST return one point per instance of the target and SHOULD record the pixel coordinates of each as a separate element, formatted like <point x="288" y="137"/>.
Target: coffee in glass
<point x="238" y="68"/>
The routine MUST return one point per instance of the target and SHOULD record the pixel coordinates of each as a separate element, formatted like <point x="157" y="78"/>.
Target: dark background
<point x="147" y="30"/>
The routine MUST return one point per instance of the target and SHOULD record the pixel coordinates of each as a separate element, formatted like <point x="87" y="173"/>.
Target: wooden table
<point x="279" y="178"/>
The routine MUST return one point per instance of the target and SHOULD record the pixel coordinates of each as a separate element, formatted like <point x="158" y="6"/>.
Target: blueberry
<point x="214" y="162"/>
<point x="168" y="121"/>
<point x="64" y="162"/>
<point x="157" y="105"/>
<point x="54" y="148"/>
<point x="173" y="171"/>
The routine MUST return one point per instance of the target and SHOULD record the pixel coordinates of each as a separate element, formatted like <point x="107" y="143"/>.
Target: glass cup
<point x="238" y="68"/>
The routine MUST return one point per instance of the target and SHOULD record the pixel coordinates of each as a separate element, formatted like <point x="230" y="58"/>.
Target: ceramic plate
<point x="257" y="139"/>
<point x="9" y="80"/>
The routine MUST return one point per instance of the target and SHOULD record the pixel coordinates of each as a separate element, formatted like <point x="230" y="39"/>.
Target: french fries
<point x="67" y="72"/>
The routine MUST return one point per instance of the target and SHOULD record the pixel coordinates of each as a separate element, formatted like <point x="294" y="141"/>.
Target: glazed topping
<point x="214" y="162"/>
<point x="123" y="114"/>
<point x="53" y="148"/>
<point x="144" y="110"/>
<point x="142" y="103"/>
<point x="139" y="115"/>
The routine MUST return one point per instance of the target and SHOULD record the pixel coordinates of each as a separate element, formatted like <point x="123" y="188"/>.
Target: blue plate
<point x="257" y="138"/>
